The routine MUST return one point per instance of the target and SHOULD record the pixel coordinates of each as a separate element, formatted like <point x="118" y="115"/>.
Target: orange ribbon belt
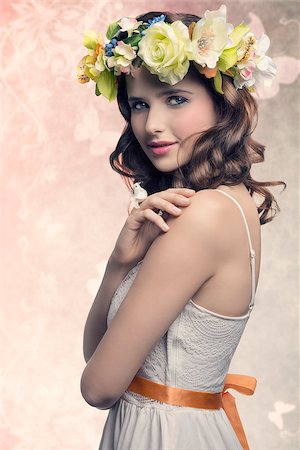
<point x="244" y="384"/>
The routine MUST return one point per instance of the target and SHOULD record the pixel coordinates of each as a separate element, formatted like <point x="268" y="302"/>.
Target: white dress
<point x="195" y="354"/>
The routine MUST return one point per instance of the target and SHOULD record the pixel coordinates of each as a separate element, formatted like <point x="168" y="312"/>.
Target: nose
<point x="155" y="121"/>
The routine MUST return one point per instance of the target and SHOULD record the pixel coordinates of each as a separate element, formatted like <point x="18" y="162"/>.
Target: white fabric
<point x="194" y="354"/>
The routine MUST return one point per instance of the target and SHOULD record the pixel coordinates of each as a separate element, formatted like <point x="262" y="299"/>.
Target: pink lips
<point x="163" y="148"/>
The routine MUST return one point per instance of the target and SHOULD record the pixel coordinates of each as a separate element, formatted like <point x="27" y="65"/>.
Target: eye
<point x="134" y="107"/>
<point x="184" y="100"/>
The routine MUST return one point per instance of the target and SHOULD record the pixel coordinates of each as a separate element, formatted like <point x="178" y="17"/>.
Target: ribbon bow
<point x="244" y="384"/>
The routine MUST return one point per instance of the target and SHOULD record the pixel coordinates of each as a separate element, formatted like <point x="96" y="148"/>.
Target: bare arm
<point x="96" y="325"/>
<point x="174" y="267"/>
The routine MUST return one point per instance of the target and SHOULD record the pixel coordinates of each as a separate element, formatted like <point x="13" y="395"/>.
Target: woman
<point x="174" y="302"/>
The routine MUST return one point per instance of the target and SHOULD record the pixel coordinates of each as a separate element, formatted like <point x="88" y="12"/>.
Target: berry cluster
<point x="153" y="21"/>
<point x="108" y="47"/>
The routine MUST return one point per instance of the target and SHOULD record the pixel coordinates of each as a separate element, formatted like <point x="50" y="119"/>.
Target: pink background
<point x="63" y="208"/>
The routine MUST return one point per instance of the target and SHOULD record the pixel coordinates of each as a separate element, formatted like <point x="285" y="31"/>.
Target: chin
<point x="165" y="166"/>
<point x="166" y="163"/>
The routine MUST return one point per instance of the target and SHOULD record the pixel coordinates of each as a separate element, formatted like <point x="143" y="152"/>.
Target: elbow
<point x="94" y="399"/>
<point x="99" y="404"/>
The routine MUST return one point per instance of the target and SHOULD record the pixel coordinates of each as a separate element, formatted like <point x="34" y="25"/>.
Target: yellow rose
<point x="166" y="50"/>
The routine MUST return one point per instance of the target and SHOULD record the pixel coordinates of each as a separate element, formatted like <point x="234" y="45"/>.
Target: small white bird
<point x="139" y="194"/>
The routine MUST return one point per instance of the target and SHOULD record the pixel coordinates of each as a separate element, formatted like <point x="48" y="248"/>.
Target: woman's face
<point x="161" y="112"/>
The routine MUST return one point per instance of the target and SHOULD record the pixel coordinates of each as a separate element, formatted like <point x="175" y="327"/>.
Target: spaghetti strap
<point x="252" y="251"/>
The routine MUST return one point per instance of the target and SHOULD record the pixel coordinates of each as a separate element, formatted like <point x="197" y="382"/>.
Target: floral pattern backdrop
<point x="63" y="207"/>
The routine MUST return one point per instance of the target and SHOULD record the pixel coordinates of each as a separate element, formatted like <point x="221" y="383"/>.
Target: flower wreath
<point x="214" y="46"/>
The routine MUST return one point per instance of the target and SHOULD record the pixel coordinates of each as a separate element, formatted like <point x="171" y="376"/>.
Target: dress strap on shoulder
<point x="252" y="251"/>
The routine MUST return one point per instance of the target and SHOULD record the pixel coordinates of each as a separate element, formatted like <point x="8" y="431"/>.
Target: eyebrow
<point x="161" y="94"/>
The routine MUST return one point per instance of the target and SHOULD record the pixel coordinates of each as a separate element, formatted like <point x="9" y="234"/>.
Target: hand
<point x="143" y="224"/>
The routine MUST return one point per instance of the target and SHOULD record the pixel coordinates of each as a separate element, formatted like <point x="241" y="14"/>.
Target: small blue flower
<point x="108" y="47"/>
<point x="109" y="53"/>
<point x="156" y="19"/>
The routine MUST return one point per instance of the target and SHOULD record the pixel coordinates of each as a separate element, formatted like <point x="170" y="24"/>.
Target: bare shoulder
<point x="204" y="207"/>
<point x="211" y="208"/>
<point x="218" y="205"/>
<point x="210" y="214"/>
<point x="208" y="207"/>
<point x="209" y="198"/>
<point x="201" y="217"/>
<point x="225" y="217"/>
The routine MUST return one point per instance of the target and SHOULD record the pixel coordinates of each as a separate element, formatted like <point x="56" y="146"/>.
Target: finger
<point x="174" y="194"/>
<point x="164" y="207"/>
<point x="157" y="219"/>
<point x="170" y="202"/>
<point x="181" y="190"/>
<point x="151" y="216"/>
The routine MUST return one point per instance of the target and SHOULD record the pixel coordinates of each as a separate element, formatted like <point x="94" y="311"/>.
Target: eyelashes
<point x="134" y="108"/>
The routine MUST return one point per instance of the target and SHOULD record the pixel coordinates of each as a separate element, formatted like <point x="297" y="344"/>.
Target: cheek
<point x="137" y="125"/>
<point x="198" y="117"/>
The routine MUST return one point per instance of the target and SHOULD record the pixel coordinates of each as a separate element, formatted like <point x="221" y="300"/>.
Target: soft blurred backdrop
<point x="63" y="208"/>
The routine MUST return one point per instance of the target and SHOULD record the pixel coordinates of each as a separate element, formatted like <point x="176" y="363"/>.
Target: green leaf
<point x="218" y="82"/>
<point x="133" y="40"/>
<point x="227" y="59"/>
<point x="107" y="85"/>
<point x="113" y="28"/>
<point x="238" y="32"/>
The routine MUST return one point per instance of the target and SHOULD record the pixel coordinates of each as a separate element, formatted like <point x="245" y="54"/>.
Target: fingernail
<point x="176" y="209"/>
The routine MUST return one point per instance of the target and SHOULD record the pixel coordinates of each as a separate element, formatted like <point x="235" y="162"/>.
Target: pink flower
<point x="247" y="72"/>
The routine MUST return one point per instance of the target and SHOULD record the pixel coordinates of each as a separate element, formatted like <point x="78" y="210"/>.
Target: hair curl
<point x="223" y="154"/>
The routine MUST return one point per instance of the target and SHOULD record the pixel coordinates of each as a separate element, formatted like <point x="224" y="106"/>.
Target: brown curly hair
<point x="223" y="154"/>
